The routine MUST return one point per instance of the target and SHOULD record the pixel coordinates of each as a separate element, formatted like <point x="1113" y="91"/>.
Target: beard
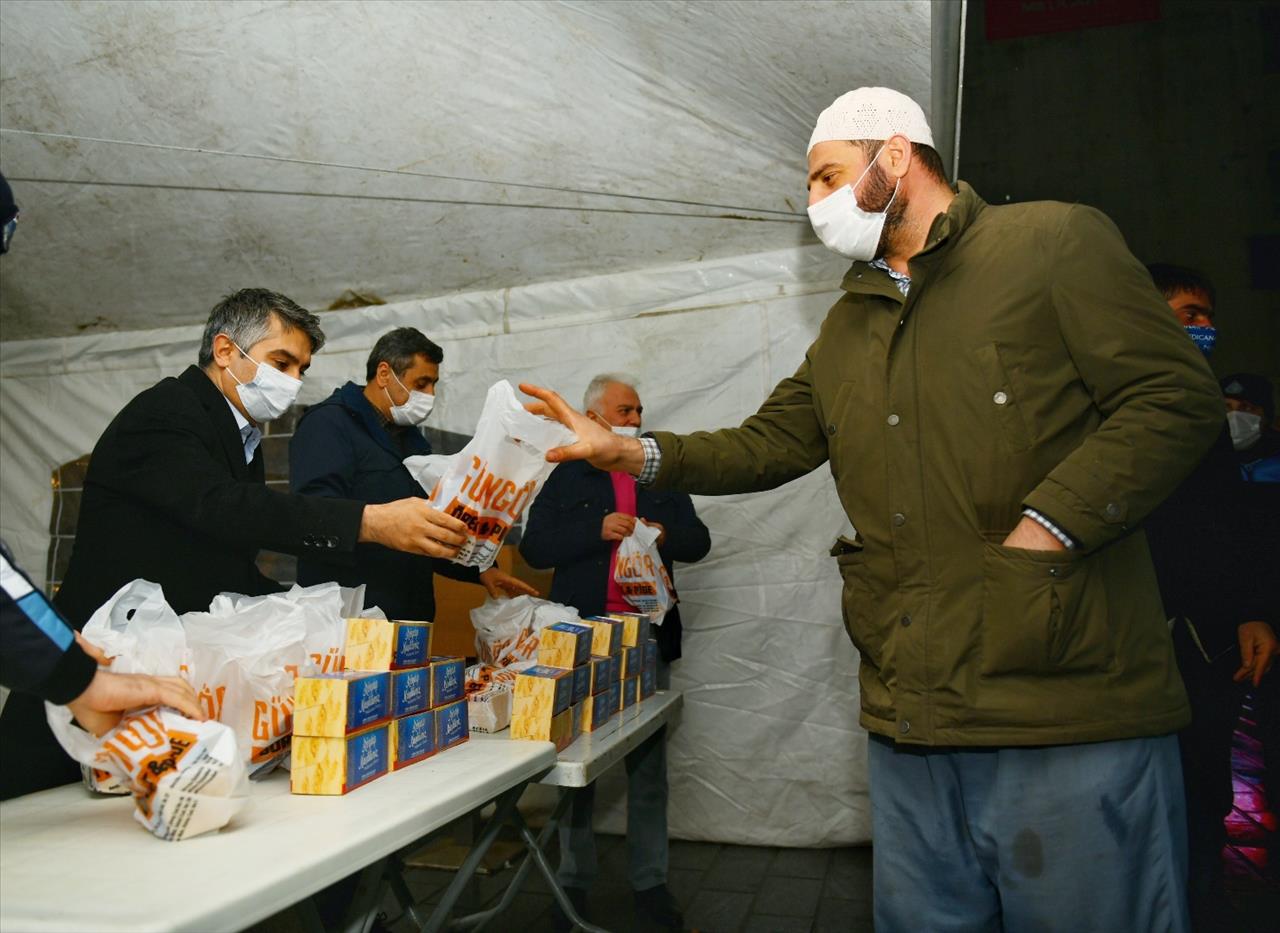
<point x="877" y="191"/>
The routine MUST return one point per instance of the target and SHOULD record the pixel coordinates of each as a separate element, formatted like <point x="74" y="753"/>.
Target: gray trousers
<point x="1088" y="838"/>
<point x="646" y="817"/>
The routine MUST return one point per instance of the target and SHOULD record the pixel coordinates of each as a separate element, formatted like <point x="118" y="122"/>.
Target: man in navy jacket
<point x="575" y="525"/>
<point x="352" y="446"/>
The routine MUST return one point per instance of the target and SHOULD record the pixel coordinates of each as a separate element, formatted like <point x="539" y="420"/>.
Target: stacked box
<point x="581" y="683"/>
<point x="541" y="694"/>
<point x="448" y="680"/>
<point x="339" y="764"/>
<point x="630" y="691"/>
<point x="596" y="711"/>
<point x="564" y="645"/>
<point x="451" y="725"/>
<point x="379" y="645"/>
<point x="606" y="636"/>
<point x="413" y="738"/>
<point x="578" y="710"/>
<point x="632" y="661"/>
<point x="635" y="628"/>
<point x="648" y="682"/>
<point x="410" y="691"/>
<point x="601" y="674"/>
<point x="336" y="705"/>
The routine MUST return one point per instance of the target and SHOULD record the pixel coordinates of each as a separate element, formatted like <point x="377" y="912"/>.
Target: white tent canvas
<point x="624" y="115"/>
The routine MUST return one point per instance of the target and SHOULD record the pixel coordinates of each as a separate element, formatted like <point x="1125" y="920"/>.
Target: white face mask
<point x="269" y="394"/>
<point x="1245" y="428"/>
<point x="844" y="227"/>
<point x="415" y="410"/>
<point x="626" y="430"/>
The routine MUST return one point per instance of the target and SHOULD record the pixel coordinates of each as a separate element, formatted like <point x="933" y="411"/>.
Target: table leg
<point x="395" y="877"/>
<point x="364" y="907"/>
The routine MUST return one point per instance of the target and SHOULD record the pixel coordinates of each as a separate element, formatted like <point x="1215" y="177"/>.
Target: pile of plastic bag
<point x="241" y="657"/>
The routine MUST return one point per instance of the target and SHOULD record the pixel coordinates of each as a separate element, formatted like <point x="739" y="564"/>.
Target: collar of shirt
<point x="900" y="279"/>
<point x="250" y="436"/>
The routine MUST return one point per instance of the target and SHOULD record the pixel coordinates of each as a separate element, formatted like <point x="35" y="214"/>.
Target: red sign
<point x="1012" y="19"/>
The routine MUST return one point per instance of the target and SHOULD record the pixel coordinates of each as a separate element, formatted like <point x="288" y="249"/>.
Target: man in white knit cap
<point x="1002" y="396"/>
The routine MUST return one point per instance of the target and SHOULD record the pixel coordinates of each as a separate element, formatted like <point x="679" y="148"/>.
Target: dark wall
<point x="1171" y="127"/>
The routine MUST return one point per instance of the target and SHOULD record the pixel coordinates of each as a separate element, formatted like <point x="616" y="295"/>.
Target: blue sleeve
<point x="38" y="651"/>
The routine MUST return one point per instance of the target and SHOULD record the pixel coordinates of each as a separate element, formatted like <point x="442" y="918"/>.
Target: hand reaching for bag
<point x="109" y="695"/>
<point x="597" y="445"/>
<point x="616" y="526"/>
<point x="498" y="583"/>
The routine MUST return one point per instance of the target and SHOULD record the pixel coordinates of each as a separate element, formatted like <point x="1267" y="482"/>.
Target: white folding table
<point x="590" y="756"/>
<point x="69" y="861"/>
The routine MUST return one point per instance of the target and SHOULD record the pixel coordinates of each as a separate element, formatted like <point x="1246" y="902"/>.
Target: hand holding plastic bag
<point x="640" y="573"/>
<point x="186" y="777"/>
<point x="490" y="483"/>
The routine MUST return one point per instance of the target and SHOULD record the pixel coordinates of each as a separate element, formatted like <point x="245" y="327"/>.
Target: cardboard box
<point x="379" y="645"/>
<point x="334" y="705"/>
<point x="606" y="635"/>
<point x="564" y="645"/>
<point x="451" y="725"/>
<point x="544" y="687"/>
<point x="581" y="683"/>
<point x="413" y="738"/>
<point x="651" y="653"/>
<point x="338" y="765"/>
<point x="601" y="674"/>
<point x="578" y="710"/>
<point x="648" y="682"/>
<point x="614" y="695"/>
<point x="557" y="730"/>
<point x="615" y="667"/>
<point x="630" y="691"/>
<point x="490" y="710"/>
<point x="632" y="661"/>
<point x="596" y="711"/>
<point x="635" y="628"/>
<point x="410" y="691"/>
<point x="448" y="680"/>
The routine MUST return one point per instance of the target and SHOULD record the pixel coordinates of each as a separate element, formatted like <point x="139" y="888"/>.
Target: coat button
<point x="906" y="620"/>
<point x="1112" y="510"/>
<point x="831" y="430"/>
<point x="893" y="420"/>
<point x="1000" y="398"/>
<point x="905" y="726"/>
<point x="899" y="519"/>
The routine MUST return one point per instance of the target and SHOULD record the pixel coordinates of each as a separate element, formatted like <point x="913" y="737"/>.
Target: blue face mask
<point x="1204" y="337"/>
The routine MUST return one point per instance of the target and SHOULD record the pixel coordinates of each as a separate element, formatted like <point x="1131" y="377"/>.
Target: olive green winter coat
<point x="1032" y="365"/>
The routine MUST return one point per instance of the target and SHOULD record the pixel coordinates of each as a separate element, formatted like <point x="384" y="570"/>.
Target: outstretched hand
<point x="597" y="445"/>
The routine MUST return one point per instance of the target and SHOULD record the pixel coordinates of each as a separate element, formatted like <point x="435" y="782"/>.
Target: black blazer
<point x="563" y="532"/>
<point x="169" y="498"/>
<point x="341" y="448"/>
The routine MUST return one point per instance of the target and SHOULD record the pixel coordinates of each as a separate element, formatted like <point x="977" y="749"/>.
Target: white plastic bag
<point x="186" y="777"/>
<point x="492" y="481"/>
<point x="640" y="574"/>
<point x="242" y="664"/>
<point x="507" y="629"/>
<point x="138" y="631"/>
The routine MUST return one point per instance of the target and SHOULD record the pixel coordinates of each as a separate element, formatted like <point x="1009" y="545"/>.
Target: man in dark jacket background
<point x="575" y="526"/>
<point x="352" y="446"/>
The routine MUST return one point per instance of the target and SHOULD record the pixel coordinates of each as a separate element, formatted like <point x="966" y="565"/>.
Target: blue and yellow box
<point x="614" y="695"/>
<point x="632" y="661"/>
<point x="413" y="738"/>
<point x="379" y="645"/>
<point x="648" y="682"/>
<point x="451" y="725"/>
<point x="564" y="645"/>
<point x="630" y="691"/>
<point x="332" y="705"/>
<point x="606" y="637"/>
<point x="635" y="627"/>
<point x="338" y="765"/>
<point x="651" y="653"/>
<point x="410" y="691"/>
<point x="596" y="711"/>
<point x="601" y="674"/>
<point x="581" y="683"/>
<point x="448" y="680"/>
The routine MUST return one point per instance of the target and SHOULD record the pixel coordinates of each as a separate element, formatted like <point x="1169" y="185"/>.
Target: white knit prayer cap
<point x="872" y="113"/>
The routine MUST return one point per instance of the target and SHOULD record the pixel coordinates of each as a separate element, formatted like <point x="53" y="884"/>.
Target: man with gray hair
<point x="575" y="526"/>
<point x="175" y="494"/>
<point x="1002" y="397"/>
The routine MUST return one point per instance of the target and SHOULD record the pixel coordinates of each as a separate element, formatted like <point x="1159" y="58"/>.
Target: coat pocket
<point x="1041" y="613"/>
<point x="864" y="624"/>
<point x="1003" y="399"/>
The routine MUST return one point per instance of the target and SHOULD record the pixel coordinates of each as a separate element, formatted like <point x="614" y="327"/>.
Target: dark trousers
<point x="1206" y="763"/>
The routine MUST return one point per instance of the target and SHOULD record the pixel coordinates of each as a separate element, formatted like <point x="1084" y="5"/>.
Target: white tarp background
<point x="549" y="189"/>
<point x="768" y="750"/>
